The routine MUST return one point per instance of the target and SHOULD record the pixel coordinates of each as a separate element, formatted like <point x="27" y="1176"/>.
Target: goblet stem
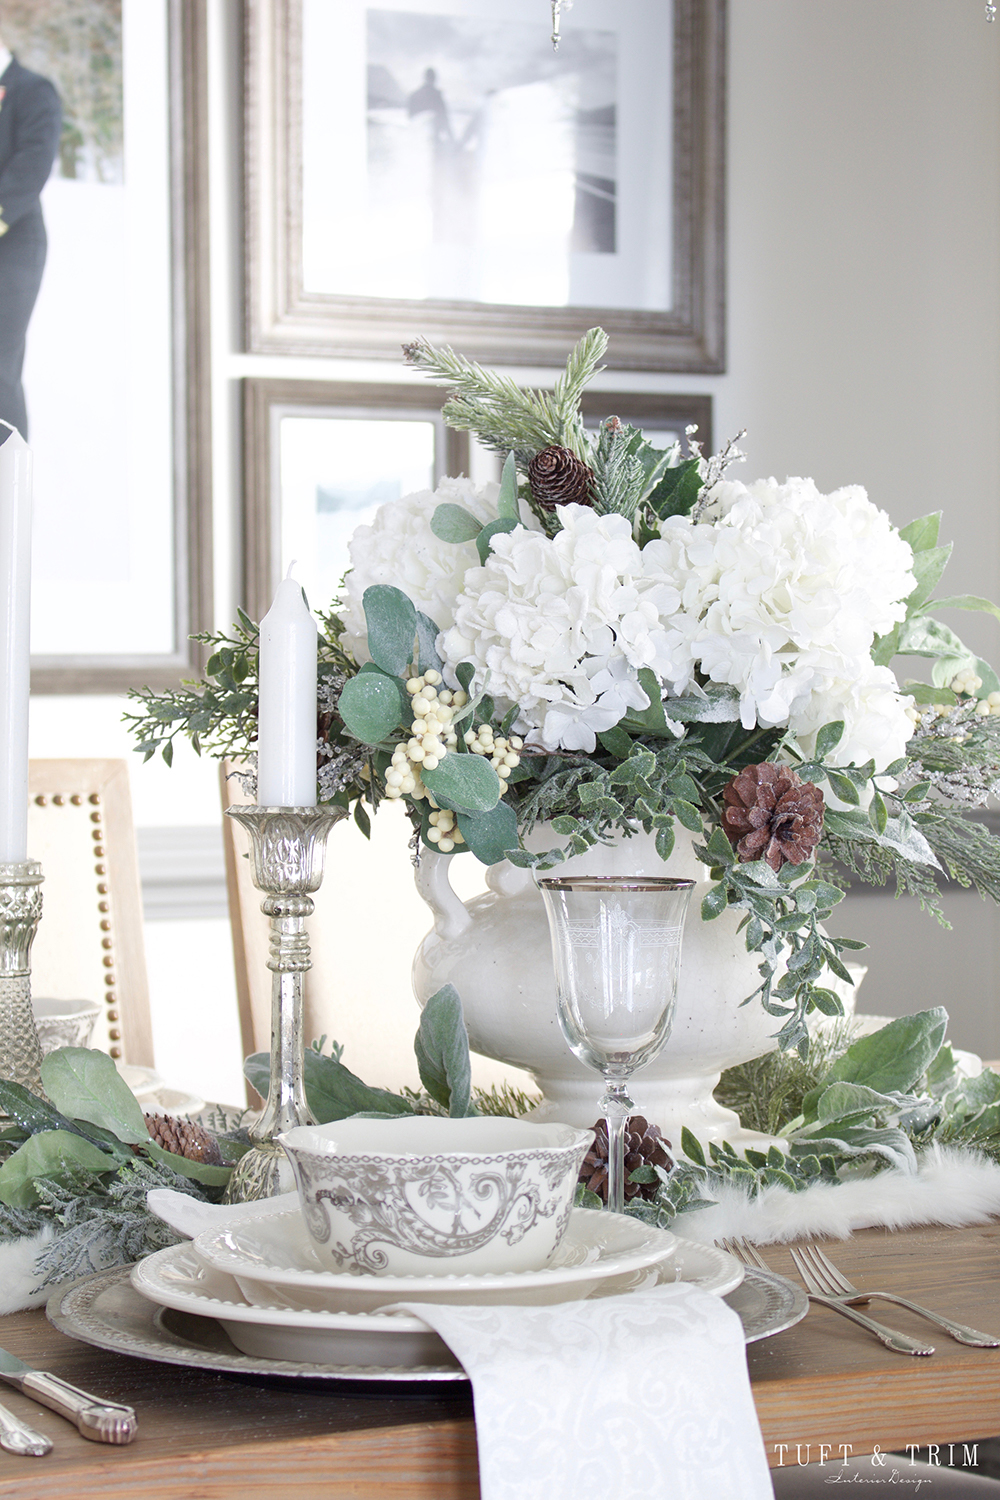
<point x="617" y="1106"/>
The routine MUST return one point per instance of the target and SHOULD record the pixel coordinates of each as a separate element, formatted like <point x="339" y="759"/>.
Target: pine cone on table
<point x="558" y="477"/>
<point x="771" y="814"/>
<point x="184" y="1138"/>
<point x="644" y="1146"/>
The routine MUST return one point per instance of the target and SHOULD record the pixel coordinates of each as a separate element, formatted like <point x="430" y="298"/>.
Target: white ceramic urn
<point x="495" y="950"/>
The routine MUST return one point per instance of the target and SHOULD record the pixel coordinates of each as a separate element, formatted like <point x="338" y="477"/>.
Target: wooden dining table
<point x="207" y="1436"/>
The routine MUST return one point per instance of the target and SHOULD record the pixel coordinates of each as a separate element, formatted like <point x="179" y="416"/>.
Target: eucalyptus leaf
<point x="56" y="1154"/>
<point x="453" y="523"/>
<point x="507" y="506"/>
<point x="369" y="706"/>
<point x="391" y="620"/>
<point x="493" y="528"/>
<point x="464" y="783"/>
<point x="427" y="634"/>
<point x="442" y="1048"/>
<point x="490" y="834"/>
<point x="86" y="1085"/>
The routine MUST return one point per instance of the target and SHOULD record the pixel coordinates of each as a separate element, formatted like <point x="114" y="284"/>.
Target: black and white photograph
<point x="475" y="163"/>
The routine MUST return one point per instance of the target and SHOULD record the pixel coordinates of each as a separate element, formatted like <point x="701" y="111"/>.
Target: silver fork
<point x="899" y="1342"/>
<point x="835" y="1284"/>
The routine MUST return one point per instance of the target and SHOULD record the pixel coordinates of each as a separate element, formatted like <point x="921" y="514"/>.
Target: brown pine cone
<point x="771" y="814"/>
<point x="184" y="1138"/>
<point x="558" y="477"/>
<point x="644" y="1146"/>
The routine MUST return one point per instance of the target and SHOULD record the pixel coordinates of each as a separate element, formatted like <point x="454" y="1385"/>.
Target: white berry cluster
<point x="432" y="735"/>
<point x="444" y="830"/>
<point x="499" y="751"/>
<point x="965" y="684"/>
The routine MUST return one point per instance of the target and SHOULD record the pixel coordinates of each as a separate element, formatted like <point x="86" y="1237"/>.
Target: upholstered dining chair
<point x="89" y="944"/>
<point x="363" y="935"/>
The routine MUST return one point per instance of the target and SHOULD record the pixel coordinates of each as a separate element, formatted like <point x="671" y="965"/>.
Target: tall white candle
<point x="286" y="716"/>
<point x="15" y="662"/>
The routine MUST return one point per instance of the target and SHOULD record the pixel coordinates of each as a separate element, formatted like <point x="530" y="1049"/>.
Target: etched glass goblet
<point x="616" y="946"/>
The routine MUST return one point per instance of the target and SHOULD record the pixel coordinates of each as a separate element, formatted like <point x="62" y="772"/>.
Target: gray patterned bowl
<point x="424" y="1196"/>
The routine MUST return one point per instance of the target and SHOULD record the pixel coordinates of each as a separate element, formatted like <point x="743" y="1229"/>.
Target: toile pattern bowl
<point x="426" y="1196"/>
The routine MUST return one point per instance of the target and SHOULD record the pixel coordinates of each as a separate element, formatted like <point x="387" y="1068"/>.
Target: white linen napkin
<point x="644" y="1397"/>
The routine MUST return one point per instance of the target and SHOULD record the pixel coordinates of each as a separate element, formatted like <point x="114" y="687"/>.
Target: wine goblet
<point x="616" y="947"/>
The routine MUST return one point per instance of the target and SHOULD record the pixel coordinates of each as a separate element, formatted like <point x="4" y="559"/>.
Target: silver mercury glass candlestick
<point x="288" y="847"/>
<point x="20" y="909"/>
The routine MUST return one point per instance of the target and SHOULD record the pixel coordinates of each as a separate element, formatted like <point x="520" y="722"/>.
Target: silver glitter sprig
<point x="558" y="6"/>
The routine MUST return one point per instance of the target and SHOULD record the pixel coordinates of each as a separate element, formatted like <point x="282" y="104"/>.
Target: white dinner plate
<point x="274" y="1263"/>
<point x="178" y="1278"/>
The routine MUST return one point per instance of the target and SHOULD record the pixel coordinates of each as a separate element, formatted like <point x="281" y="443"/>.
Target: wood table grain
<point x="204" y="1436"/>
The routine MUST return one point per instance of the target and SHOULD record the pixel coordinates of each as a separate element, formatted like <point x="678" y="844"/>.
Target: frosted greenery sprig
<point x="505" y="417"/>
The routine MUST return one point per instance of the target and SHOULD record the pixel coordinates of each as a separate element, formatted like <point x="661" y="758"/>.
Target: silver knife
<point x="102" y="1421"/>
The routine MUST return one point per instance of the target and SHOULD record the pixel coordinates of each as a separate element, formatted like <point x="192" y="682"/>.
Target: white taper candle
<point x="15" y="624"/>
<point x="286" y="720"/>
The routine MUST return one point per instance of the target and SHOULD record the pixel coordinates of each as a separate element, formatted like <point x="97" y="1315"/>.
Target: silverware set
<point x="829" y="1287"/>
<point x="101" y="1421"/>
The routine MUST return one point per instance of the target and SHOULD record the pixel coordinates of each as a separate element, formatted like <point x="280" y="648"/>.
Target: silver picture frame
<point x="266" y="400"/>
<point x="284" y="317"/>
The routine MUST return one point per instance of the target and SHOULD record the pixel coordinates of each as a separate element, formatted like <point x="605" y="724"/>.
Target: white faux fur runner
<point x="952" y="1186"/>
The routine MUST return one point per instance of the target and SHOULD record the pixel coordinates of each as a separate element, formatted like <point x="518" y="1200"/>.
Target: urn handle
<point x="431" y="877"/>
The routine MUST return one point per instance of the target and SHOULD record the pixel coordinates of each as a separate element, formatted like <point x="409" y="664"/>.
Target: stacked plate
<point x="263" y="1283"/>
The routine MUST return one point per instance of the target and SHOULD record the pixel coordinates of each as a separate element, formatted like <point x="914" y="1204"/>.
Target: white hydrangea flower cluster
<point x="562" y="625"/>
<point x="399" y="548"/>
<point x="782" y="594"/>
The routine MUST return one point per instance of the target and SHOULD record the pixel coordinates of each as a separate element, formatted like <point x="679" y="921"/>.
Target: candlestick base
<point x="20" y="910"/>
<point x="288" y="846"/>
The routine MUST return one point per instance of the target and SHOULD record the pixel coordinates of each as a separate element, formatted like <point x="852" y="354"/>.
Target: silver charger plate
<point x="767" y="1304"/>
<point x="106" y="1311"/>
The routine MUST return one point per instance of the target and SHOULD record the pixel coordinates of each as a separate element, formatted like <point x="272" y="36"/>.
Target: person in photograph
<point x="30" y="121"/>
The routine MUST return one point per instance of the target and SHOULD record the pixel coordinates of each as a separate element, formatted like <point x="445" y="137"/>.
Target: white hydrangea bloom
<point x="874" y="711"/>
<point x="562" y="625"/>
<point x="399" y="548"/>
<point x="782" y="592"/>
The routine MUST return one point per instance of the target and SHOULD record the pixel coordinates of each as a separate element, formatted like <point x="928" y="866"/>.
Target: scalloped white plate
<point x="274" y="1263"/>
<point x="177" y="1278"/>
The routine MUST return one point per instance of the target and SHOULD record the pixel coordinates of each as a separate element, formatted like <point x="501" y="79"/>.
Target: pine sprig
<point x="505" y="417"/>
<point x="618" y="474"/>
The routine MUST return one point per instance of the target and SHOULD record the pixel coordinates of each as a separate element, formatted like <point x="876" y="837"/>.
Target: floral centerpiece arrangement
<point x="620" y="637"/>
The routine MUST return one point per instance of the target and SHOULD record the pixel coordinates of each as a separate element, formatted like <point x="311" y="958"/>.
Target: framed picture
<point x="320" y="457"/>
<point x="115" y="369"/>
<point x="435" y="168"/>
